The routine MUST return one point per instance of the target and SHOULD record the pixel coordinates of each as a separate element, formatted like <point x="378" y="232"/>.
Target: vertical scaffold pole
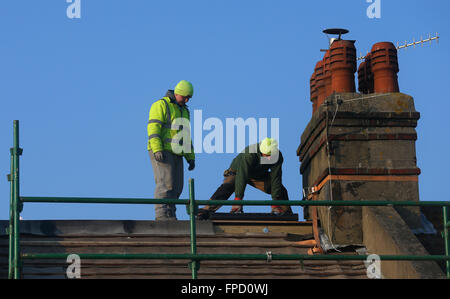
<point x="192" y="213"/>
<point x="15" y="176"/>
<point x="446" y="240"/>
<point x="11" y="220"/>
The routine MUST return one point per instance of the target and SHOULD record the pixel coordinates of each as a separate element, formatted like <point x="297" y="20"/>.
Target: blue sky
<point x="82" y="88"/>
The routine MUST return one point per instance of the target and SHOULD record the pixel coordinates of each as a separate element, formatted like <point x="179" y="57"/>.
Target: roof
<point x="217" y="236"/>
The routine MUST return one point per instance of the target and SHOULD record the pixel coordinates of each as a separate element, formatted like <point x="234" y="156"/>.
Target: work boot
<point x="203" y="214"/>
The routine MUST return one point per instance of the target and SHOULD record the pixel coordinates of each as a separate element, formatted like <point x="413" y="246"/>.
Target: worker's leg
<point x="166" y="185"/>
<point x="224" y="191"/>
<point x="282" y="209"/>
<point x="265" y="185"/>
<point x="178" y="175"/>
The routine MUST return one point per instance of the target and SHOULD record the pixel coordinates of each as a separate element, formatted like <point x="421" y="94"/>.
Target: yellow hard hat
<point x="184" y="88"/>
<point x="268" y="146"/>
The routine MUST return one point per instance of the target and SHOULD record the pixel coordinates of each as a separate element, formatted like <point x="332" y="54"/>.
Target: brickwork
<point x="361" y="136"/>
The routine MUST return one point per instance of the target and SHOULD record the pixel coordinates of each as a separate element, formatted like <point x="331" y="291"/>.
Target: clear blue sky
<point x="82" y="88"/>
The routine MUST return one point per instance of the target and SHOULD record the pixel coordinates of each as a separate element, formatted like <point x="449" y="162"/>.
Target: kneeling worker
<point x="258" y="165"/>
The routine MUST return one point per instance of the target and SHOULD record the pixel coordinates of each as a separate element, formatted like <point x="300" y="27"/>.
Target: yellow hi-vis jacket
<point x="169" y="128"/>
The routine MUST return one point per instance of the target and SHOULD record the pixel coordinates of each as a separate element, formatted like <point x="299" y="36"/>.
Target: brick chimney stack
<point x="359" y="146"/>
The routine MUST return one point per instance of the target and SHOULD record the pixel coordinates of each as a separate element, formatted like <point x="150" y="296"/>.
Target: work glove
<point x="191" y="165"/>
<point x="281" y="210"/>
<point x="237" y="209"/>
<point x="159" y="156"/>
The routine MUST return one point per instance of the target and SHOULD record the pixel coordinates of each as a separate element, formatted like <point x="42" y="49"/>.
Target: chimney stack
<point x="359" y="146"/>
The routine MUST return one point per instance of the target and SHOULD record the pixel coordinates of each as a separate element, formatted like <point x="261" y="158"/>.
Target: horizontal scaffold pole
<point x="200" y="257"/>
<point x="95" y="200"/>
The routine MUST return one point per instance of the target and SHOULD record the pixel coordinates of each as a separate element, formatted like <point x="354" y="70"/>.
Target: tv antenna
<point x="413" y="44"/>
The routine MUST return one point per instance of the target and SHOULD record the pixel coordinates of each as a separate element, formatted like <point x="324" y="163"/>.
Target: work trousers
<point x="169" y="183"/>
<point x="227" y="188"/>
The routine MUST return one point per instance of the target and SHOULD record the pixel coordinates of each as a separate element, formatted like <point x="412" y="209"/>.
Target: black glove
<point x="159" y="156"/>
<point x="191" y="165"/>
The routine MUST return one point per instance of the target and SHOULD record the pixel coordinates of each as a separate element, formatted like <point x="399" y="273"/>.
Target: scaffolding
<point x="16" y="206"/>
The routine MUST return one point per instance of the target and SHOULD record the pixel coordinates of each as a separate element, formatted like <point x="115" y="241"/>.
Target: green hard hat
<point x="268" y="146"/>
<point x="184" y="88"/>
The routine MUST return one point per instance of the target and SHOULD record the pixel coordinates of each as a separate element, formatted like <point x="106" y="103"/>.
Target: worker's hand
<point x="191" y="165"/>
<point x="237" y="209"/>
<point x="159" y="156"/>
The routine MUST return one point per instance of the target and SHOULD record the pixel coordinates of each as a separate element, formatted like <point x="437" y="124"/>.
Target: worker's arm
<point x="189" y="156"/>
<point x="276" y="178"/>
<point x="156" y="120"/>
<point x="244" y="165"/>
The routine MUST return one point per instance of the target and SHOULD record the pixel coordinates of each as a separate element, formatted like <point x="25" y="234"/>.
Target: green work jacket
<point x="247" y="165"/>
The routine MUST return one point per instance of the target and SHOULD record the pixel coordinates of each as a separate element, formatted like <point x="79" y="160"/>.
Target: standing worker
<point x="169" y="141"/>
<point x="258" y="165"/>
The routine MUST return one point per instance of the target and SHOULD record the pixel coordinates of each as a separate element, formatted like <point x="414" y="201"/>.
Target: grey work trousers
<point x="169" y="183"/>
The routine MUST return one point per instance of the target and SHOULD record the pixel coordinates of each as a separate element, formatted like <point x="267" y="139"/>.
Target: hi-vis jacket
<point x="169" y="128"/>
